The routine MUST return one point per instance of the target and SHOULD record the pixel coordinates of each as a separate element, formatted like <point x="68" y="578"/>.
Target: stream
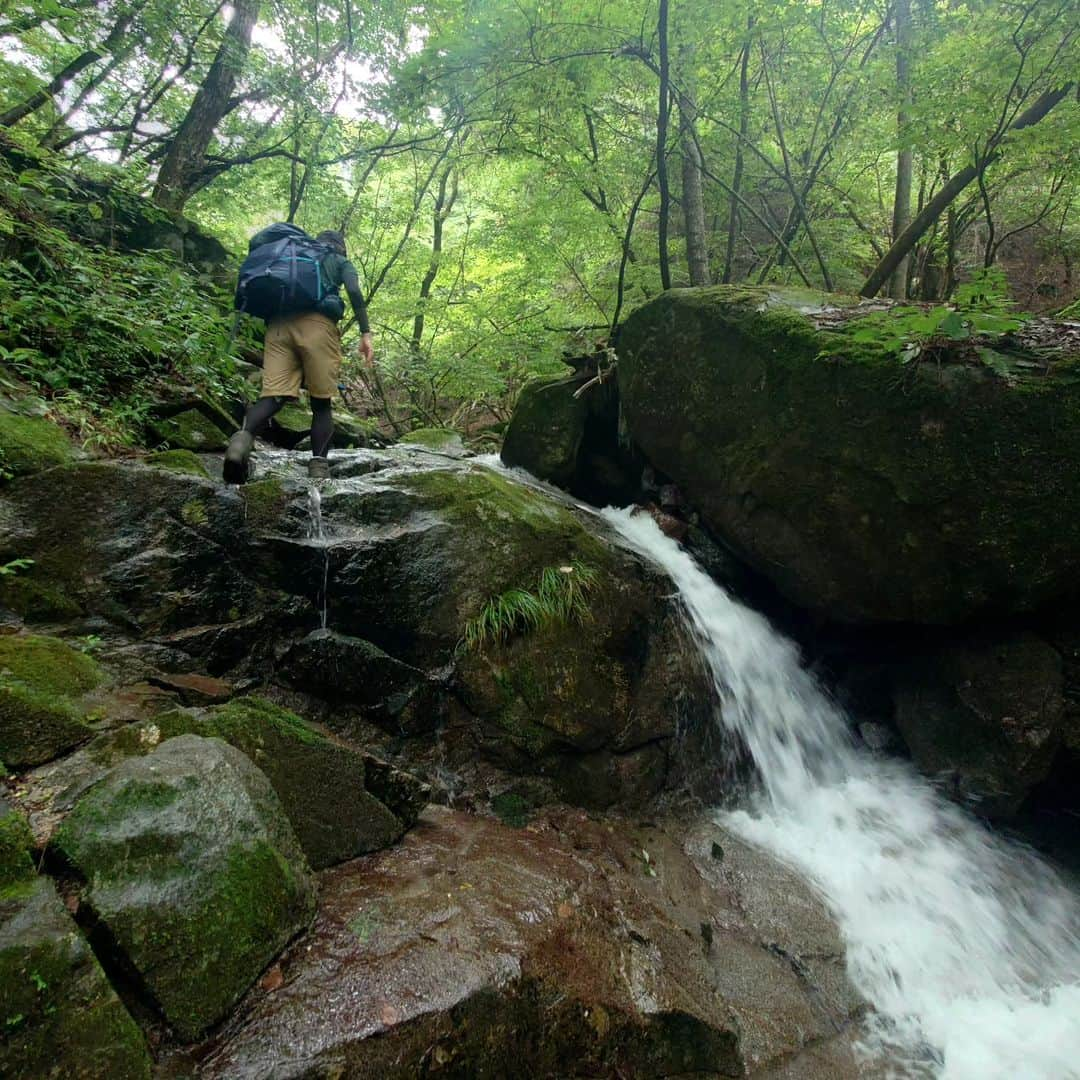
<point x="966" y="944"/>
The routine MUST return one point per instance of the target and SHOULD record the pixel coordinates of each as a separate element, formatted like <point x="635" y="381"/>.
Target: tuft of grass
<point x="559" y="596"/>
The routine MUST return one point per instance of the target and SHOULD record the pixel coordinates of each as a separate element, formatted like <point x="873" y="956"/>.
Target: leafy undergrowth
<point x="97" y="331"/>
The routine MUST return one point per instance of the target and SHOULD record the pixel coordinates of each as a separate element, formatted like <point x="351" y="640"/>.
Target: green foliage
<point x="93" y="328"/>
<point x="982" y="310"/>
<point x="559" y="596"/>
<point x="15" y="566"/>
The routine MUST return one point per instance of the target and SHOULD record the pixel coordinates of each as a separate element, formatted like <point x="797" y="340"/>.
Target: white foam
<point x="967" y="945"/>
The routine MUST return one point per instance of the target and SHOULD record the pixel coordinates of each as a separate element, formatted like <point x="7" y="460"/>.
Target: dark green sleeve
<point x="350" y="280"/>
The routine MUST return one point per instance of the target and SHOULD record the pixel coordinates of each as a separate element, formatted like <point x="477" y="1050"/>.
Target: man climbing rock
<point x="303" y="342"/>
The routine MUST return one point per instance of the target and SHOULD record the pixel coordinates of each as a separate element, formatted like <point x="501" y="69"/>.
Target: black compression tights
<point x="322" y="420"/>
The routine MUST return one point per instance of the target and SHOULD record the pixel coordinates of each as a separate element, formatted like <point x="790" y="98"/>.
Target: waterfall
<point x="966" y="944"/>
<point x="317" y="536"/>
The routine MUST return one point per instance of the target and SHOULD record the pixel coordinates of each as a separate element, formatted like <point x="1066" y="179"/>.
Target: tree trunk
<point x="903" y="244"/>
<point x="178" y="176"/>
<point x="66" y="74"/>
<point x="444" y="204"/>
<point x="736" y="180"/>
<point x="905" y="158"/>
<point x="693" y="199"/>
<point x="661" y="145"/>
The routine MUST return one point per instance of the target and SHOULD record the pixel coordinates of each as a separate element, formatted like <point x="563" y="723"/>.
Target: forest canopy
<point x="514" y="177"/>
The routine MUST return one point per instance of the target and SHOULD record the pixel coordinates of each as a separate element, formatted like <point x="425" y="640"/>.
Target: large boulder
<point x="868" y="485"/>
<point x="986" y="717"/>
<point x="580" y="947"/>
<point x="193" y="876"/>
<point x="368" y="598"/>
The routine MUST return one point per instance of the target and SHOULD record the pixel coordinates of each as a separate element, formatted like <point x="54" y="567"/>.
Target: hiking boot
<point x="237" y="453"/>
<point x="318" y="468"/>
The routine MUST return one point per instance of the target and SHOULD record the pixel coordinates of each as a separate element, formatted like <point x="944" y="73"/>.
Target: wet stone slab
<point x="585" y="946"/>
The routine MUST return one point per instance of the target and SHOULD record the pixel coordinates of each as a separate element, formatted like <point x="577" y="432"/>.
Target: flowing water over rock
<point x="967" y="945"/>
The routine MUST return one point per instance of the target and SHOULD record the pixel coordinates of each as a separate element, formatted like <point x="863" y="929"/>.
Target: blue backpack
<point x="282" y="274"/>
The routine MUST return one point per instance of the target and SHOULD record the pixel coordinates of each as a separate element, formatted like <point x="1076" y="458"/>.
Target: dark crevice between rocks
<point x="130" y="987"/>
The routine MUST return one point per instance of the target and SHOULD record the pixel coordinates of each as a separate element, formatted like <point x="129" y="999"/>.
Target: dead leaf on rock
<point x="388" y="1015"/>
<point x="273" y="979"/>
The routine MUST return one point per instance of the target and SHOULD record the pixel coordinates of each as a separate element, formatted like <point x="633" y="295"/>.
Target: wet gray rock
<point x="985" y="717"/>
<point x="194" y="879"/>
<point x="582" y="947"/>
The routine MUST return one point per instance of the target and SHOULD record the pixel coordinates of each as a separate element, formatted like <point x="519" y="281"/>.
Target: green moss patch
<point x="40" y="680"/>
<point x="434" y="438"/>
<point x="191" y="430"/>
<point x="264" y="502"/>
<point x="29" y="444"/>
<point x="179" y="461"/>
<point x="16" y="843"/>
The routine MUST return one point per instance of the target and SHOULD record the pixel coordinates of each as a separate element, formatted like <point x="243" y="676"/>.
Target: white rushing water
<point x="967" y="945"/>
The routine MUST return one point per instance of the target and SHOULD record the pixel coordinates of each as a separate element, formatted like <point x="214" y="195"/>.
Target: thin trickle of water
<point x="967" y="945"/>
<point x="317" y="535"/>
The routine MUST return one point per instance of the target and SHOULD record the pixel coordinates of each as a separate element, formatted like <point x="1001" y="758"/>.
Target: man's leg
<point x="281" y="382"/>
<point x="321" y="354"/>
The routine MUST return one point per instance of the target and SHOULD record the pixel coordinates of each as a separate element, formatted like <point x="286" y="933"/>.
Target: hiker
<point x="292" y="282"/>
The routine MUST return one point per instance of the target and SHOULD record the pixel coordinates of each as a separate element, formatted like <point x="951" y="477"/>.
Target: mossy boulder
<point x="59" y="1017"/>
<point x="181" y="461"/>
<point x="986" y="717"/>
<point x="547" y="429"/>
<point x="192" y="873"/>
<point x="611" y="682"/>
<point x="192" y="429"/>
<point x="29" y="444"/>
<point x="867" y="488"/>
<point x="41" y="680"/>
<point x="323" y="787"/>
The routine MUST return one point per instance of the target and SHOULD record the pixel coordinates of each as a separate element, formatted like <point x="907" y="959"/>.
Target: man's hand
<point x="366" y="351"/>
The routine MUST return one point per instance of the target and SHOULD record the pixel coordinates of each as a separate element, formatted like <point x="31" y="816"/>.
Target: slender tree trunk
<point x="627" y="240"/>
<point x="444" y="204"/>
<point x="186" y="155"/>
<point x="922" y="221"/>
<point x="66" y="74"/>
<point x="661" y="145"/>
<point x="736" y="179"/>
<point x="905" y="158"/>
<point x="693" y="199"/>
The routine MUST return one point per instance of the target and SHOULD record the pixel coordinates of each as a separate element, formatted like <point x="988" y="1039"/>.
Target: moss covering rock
<point x="442" y="440"/>
<point x="181" y="461"/>
<point x="16" y="843"/>
<point x="193" y="430"/>
<point x="547" y="430"/>
<point x="869" y="489"/>
<point x="41" y="680"/>
<point x="29" y="444"/>
<point x="322" y="786"/>
<point x="193" y="872"/>
<point x="59" y="1017"/>
<point x="612" y="684"/>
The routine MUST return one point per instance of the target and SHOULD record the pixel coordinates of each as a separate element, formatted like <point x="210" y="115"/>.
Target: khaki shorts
<point x="307" y="345"/>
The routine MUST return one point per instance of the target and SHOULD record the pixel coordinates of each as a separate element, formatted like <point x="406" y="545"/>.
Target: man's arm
<point x="351" y="282"/>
